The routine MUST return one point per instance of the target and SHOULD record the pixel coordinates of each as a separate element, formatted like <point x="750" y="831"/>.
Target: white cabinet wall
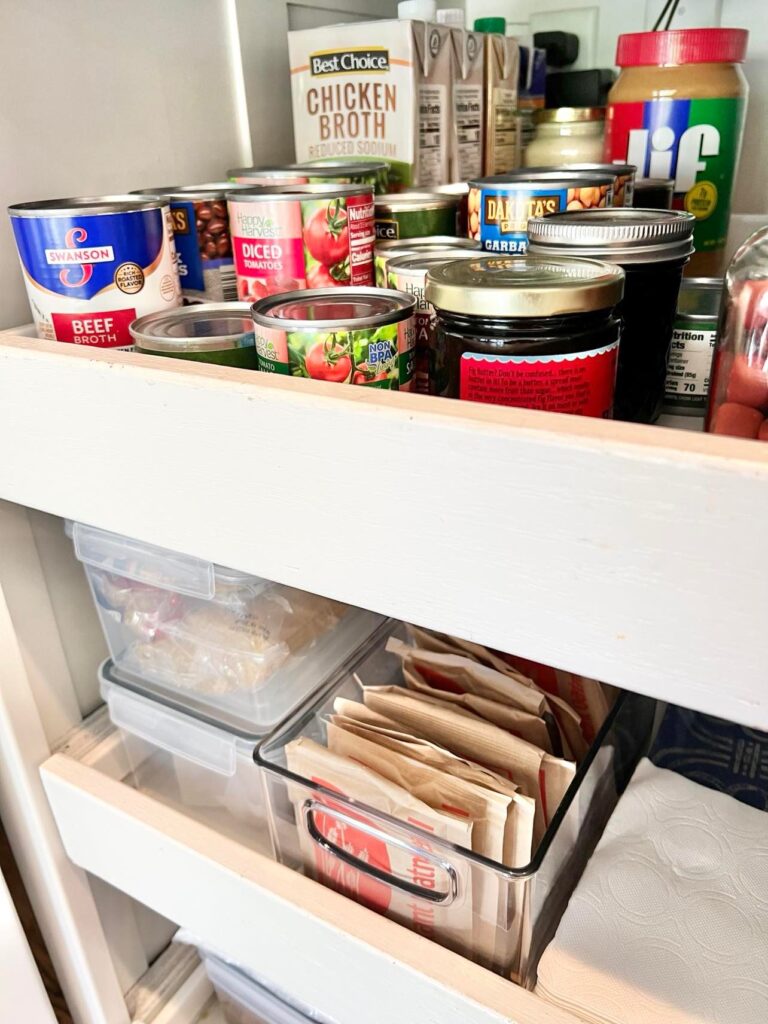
<point x="102" y="97"/>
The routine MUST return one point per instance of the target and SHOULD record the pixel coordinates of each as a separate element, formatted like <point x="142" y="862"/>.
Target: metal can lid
<point x="524" y="286"/>
<point x="620" y="234"/>
<point x="533" y="176"/>
<point x="80" y="205"/>
<point x="453" y="188"/>
<point x="342" y="167"/>
<point x="321" y="169"/>
<point x="426" y="242"/>
<point x="700" y="297"/>
<point x="268" y="193"/>
<point x="406" y="202"/>
<point x="204" y="327"/>
<point x="333" y="309"/>
<point x="614" y="169"/>
<point x="208" y="190"/>
<point x="568" y="115"/>
<point x="417" y="264"/>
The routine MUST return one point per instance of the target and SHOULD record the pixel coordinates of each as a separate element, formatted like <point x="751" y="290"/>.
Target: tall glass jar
<point x="566" y="135"/>
<point x="738" y="397"/>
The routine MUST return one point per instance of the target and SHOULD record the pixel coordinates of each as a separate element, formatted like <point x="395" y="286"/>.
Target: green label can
<point x="415" y="215"/>
<point x="358" y="336"/>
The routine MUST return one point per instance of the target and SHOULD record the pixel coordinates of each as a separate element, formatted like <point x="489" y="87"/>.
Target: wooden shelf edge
<point x="285" y="927"/>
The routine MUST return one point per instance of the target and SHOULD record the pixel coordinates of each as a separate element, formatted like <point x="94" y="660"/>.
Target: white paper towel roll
<point x="669" y="923"/>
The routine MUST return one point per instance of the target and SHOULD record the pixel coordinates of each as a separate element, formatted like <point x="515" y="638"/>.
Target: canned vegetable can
<point x="301" y="236"/>
<point x="686" y="391"/>
<point x="201" y="233"/>
<point x="415" y="214"/>
<point x="501" y="206"/>
<point x="388" y="250"/>
<point x="358" y="336"/>
<point x="207" y="332"/>
<point x="623" y="180"/>
<point x="317" y="172"/>
<point x="93" y="265"/>
<point x="408" y="273"/>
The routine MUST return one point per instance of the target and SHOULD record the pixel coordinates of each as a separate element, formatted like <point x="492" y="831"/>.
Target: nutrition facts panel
<point x="468" y="114"/>
<point x="433" y="134"/>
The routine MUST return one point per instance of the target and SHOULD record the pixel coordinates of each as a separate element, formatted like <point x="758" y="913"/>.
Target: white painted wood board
<point x="632" y="554"/>
<point x="326" y="950"/>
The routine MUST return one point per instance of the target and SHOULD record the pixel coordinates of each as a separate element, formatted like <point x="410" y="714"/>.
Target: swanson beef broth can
<point x="92" y="266"/>
<point x="286" y="237"/>
<point x="501" y="206"/>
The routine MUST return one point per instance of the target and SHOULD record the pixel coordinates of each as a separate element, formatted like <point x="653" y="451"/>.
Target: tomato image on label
<point x="326" y="236"/>
<point x="379" y="357"/>
<point x="329" y="360"/>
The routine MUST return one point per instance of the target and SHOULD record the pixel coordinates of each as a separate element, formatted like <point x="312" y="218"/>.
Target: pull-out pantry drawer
<point x="329" y="952"/>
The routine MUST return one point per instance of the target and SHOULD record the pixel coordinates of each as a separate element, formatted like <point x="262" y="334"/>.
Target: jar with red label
<point x="527" y="331"/>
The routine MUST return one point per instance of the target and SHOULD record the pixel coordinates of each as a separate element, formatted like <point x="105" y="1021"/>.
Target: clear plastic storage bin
<point x="498" y="916"/>
<point x="243" y="1000"/>
<point x="221" y="641"/>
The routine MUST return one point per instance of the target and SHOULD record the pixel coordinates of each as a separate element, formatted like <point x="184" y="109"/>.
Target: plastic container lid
<point x="623" y="235"/>
<point x="524" y="286"/>
<point x="417" y="10"/>
<point x="204" y="327"/>
<point x="682" y="46"/>
<point x="453" y="16"/>
<point x="498" y="25"/>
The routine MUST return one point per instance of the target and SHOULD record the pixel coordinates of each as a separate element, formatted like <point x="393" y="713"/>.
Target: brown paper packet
<point x="518" y="834"/>
<point x="569" y="723"/>
<point x="451" y="923"/>
<point x="487" y="810"/>
<point x="530" y="767"/>
<point x="519" y="723"/>
<point x="458" y="673"/>
<point x="360" y="713"/>
<point x="591" y="699"/>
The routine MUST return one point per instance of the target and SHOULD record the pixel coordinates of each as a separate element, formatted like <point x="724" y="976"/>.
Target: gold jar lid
<point x="524" y="286"/>
<point x="569" y="115"/>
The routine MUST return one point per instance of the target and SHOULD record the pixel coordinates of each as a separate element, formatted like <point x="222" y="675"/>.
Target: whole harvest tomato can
<point x="358" y="336"/>
<point x="92" y="266"/>
<point x="286" y="237"/>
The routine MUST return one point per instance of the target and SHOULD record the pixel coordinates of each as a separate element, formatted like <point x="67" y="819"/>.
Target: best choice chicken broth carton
<point x="375" y="89"/>
<point x="468" y="128"/>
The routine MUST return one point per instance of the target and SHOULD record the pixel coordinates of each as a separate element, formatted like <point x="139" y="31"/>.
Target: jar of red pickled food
<point x="738" y="399"/>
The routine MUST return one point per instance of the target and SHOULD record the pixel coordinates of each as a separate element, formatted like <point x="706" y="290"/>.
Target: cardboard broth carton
<point x="501" y="150"/>
<point x="375" y="90"/>
<point x="468" y="131"/>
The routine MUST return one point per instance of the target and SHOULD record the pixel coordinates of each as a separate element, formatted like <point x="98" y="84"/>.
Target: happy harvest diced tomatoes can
<point x="358" y="336"/>
<point x="286" y="237"/>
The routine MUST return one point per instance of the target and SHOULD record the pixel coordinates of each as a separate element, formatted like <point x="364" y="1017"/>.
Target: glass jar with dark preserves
<point x="525" y="331"/>
<point x="653" y="247"/>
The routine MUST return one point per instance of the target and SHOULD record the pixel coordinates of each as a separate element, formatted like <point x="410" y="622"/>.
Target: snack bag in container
<point x="407" y="878"/>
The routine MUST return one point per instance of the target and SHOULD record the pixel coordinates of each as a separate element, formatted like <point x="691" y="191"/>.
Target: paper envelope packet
<point x="356" y="843"/>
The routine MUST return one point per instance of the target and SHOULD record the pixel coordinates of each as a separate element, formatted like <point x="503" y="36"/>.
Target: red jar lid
<point x="683" y="46"/>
